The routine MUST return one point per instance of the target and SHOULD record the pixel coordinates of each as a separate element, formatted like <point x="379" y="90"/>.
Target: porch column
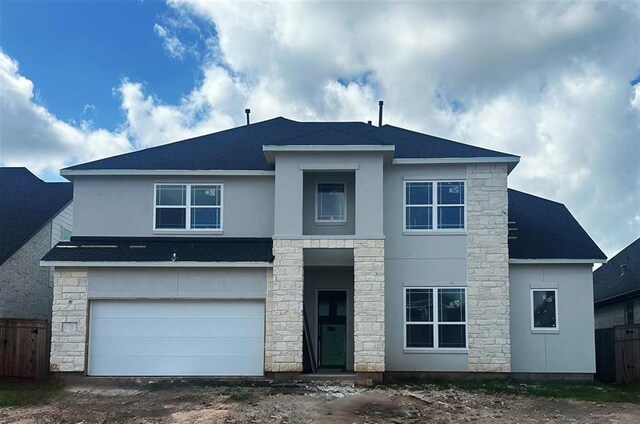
<point x="283" y="318"/>
<point x="368" y="305"/>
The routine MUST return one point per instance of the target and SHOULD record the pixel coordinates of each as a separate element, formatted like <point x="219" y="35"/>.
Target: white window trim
<point x="434" y="207"/>
<point x="547" y="330"/>
<point x="187" y="208"/>
<point x="331" y="221"/>
<point x="436" y="323"/>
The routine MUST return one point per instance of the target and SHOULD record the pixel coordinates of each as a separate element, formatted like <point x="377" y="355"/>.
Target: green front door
<point x="332" y="329"/>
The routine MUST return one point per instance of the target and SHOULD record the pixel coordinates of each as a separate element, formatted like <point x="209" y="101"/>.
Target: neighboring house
<point x="34" y="216"/>
<point x="284" y="246"/>
<point x="616" y="289"/>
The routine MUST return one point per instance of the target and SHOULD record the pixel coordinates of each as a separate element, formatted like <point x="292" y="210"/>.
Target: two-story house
<point x="281" y="247"/>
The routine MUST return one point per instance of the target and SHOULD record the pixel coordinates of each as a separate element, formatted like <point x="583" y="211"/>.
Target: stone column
<point x="283" y="319"/>
<point x="488" y="269"/>
<point x="368" y="307"/>
<point x="69" y="319"/>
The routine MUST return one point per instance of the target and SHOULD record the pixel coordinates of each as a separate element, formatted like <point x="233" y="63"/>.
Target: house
<point x="281" y="247"/>
<point x="616" y="289"/>
<point x="34" y="216"/>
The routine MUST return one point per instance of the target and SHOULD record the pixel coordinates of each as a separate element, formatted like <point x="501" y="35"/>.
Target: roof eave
<point x="156" y="264"/>
<point x="270" y="151"/>
<point x="70" y="173"/>
<point x="511" y="161"/>
<point x="556" y="261"/>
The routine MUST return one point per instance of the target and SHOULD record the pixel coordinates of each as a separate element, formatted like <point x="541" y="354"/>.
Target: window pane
<point x="171" y="195"/>
<point x="418" y="193"/>
<point x="451" y="193"/>
<point x="544" y="309"/>
<point x="206" y="195"/>
<point x="451" y="217"/>
<point x="420" y="335"/>
<point x="419" y="305"/>
<point x="331" y="202"/>
<point x="419" y="218"/>
<point x="205" y="218"/>
<point x="451" y="305"/>
<point x="170" y="218"/>
<point x="452" y="336"/>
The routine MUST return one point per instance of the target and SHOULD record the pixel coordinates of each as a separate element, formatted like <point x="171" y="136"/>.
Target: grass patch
<point x="239" y="394"/>
<point x="16" y="392"/>
<point x="591" y="391"/>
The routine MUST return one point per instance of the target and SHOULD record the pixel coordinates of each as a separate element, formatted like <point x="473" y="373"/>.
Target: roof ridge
<point x="538" y="197"/>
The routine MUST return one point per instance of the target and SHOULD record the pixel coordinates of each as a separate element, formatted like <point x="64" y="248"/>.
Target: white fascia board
<point x="329" y="148"/>
<point x="557" y="261"/>
<point x="163" y="264"/>
<point x="161" y="172"/>
<point x="426" y="161"/>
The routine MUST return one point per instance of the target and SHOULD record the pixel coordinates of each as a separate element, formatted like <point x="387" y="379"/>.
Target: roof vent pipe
<point x="247" y="111"/>
<point x="369" y="122"/>
<point x="380" y="113"/>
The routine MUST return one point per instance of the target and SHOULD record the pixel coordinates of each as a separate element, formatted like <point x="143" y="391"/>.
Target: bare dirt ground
<point x="308" y="403"/>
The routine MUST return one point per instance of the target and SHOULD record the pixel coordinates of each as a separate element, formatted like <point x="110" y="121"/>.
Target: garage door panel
<point x="179" y="366"/>
<point x="176" y="337"/>
<point x="169" y="327"/>
<point x="167" y="346"/>
<point x="175" y="309"/>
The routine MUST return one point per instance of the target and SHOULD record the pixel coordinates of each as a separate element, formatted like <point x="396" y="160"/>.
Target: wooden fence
<point x="24" y="348"/>
<point x="618" y="354"/>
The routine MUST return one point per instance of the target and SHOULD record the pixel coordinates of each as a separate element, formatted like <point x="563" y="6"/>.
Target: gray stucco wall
<point x="123" y="205"/>
<point x="26" y="288"/>
<point x="290" y="168"/>
<point x="177" y="283"/>
<point x="426" y="260"/>
<point x="309" y="224"/>
<point x="615" y="314"/>
<point x="571" y="349"/>
<point x="328" y="278"/>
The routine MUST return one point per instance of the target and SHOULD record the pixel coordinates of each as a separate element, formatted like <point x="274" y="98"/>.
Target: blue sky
<point x="91" y="46"/>
<point x="554" y="82"/>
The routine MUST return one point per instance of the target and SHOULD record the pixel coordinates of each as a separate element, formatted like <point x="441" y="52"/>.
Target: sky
<point x="557" y="83"/>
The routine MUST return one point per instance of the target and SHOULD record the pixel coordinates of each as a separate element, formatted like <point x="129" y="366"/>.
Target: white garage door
<point x="176" y="338"/>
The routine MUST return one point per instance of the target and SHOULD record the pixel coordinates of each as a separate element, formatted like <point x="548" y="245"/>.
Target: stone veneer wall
<point x="284" y="323"/>
<point x="488" y="269"/>
<point x="69" y="321"/>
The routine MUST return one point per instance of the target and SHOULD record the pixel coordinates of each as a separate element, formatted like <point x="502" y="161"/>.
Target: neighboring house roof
<point x="164" y="249"/>
<point x="544" y="229"/>
<point x="241" y="148"/>
<point x="26" y="204"/>
<point x="619" y="278"/>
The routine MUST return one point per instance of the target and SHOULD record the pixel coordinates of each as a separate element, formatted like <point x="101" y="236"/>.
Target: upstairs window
<point x="423" y="208"/>
<point x="544" y="305"/>
<point x="331" y="202"/>
<point x="188" y="207"/>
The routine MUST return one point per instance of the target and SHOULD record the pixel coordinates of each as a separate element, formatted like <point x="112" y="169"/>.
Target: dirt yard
<point x="306" y="403"/>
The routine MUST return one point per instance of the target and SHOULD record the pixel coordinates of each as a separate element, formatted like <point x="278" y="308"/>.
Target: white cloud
<point x="33" y="137"/>
<point x="171" y="43"/>
<point x="548" y="81"/>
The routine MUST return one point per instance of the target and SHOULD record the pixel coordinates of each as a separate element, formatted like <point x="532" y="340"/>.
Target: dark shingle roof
<point x="161" y="249"/>
<point x="241" y="148"/>
<point x="546" y="230"/>
<point x="26" y="204"/>
<point x="618" y="278"/>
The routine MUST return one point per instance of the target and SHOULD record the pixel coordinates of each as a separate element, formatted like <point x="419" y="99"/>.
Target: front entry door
<point x="332" y="329"/>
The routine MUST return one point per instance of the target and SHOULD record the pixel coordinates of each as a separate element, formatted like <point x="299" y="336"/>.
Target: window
<point x="188" y="207"/>
<point x="544" y="304"/>
<point x="65" y="233"/>
<point x="331" y="202"/>
<point x="423" y="209"/>
<point x="435" y="318"/>
<point x="629" y="312"/>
